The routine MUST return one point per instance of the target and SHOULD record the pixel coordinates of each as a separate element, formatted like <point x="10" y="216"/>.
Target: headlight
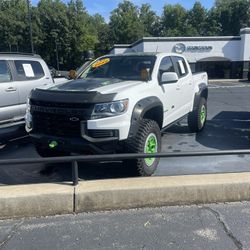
<point x="103" y="110"/>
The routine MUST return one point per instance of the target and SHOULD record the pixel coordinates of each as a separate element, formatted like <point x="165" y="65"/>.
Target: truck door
<point x="169" y="91"/>
<point x="30" y="74"/>
<point x="9" y="108"/>
<point x="185" y="85"/>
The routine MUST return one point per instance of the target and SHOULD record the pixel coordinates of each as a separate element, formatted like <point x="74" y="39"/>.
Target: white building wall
<point x="221" y="48"/>
<point x="118" y="50"/>
<point x="138" y="48"/>
<point x="197" y="49"/>
<point x="245" y="44"/>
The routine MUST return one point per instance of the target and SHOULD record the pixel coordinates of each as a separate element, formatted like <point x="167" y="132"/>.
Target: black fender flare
<point x="140" y="110"/>
<point x="203" y="92"/>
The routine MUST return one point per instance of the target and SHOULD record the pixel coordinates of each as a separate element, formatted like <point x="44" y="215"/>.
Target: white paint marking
<point x="208" y="233"/>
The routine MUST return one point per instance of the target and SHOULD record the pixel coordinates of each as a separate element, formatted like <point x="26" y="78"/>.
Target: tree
<point x="104" y="43"/>
<point x="197" y="18"/>
<point x="55" y="31"/>
<point x="150" y="20"/>
<point x="125" y="24"/>
<point x="213" y="25"/>
<point x="232" y="15"/>
<point x="67" y="30"/>
<point x="83" y="34"/>
<point x="174" y="20"/>
<point x="13" y="24"/>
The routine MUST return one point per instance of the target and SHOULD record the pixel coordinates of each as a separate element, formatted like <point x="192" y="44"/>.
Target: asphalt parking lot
<point x="228" y="127"/>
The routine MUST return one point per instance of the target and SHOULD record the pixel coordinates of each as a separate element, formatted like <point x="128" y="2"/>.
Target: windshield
<point x="121" y="67"/>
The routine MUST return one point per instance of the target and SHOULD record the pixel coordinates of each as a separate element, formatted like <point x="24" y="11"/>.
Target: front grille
<point x="57" y="125"/>
<point x="59" y="119"/>
<point x="60" y="104"/>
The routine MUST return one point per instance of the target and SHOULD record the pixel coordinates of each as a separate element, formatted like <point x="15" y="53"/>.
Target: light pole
<point x="57" y="60"/>
<point x="30" y="25"/>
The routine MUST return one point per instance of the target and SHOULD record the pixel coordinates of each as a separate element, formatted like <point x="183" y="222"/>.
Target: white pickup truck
<point x="120" y="103"/>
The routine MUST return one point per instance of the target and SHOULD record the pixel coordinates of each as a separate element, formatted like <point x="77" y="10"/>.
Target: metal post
<point x="30" y="25"/>
<point x="75" y="173"/>
<point x="57" y="59"/>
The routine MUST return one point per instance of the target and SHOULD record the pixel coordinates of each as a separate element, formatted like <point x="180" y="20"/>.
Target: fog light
<point x="53" y="144"/>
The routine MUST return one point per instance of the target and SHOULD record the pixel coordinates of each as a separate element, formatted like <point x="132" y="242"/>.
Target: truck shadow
<point x="227" y="130"/>
<point x="89" y="171"/>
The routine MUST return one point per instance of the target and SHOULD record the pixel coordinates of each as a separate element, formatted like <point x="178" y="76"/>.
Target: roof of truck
<point x="18" y="55"/>
<point x="135" y="54"/>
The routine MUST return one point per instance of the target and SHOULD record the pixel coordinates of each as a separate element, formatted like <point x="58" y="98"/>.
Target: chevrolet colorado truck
<point x="119" y="103"/>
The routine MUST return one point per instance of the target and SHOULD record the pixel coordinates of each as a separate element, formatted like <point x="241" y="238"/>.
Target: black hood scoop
<point x="87" y="84"/>
<point x="73" y="97"/>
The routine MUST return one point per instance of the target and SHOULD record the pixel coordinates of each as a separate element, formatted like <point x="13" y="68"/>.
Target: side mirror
<point x="72" y="74"/>
<point x="169" y="77"/>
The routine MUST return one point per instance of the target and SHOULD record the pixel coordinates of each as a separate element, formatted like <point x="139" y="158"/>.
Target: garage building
<point x="220" y="56"/>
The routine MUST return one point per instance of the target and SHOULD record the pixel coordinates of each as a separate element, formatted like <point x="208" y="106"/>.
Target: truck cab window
<point x="181" y="66"/>
<point x="5" y="75"/>
<point x="28" y="70"/>
<point x="165" y="66"/>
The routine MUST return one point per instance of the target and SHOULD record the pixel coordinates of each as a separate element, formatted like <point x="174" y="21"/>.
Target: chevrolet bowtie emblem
<point x="74" y="119"/>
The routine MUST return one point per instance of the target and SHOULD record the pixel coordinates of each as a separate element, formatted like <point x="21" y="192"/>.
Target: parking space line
<point x="225" y="87"/>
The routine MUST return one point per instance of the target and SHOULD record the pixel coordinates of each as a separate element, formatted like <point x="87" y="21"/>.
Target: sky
<point x="104" y="7"/>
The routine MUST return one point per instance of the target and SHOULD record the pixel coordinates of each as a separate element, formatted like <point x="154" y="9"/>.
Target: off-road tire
<point x="198" y="117"/>
<point x="45" y="152"/>
<point x="148" y="130"/>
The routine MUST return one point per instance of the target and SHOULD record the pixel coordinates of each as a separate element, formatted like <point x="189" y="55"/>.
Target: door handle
<point x="178" y="87"/>
<point x="10" y="89"/>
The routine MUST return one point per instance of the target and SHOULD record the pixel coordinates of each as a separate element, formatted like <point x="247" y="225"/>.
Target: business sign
<point x="181" y="48"/>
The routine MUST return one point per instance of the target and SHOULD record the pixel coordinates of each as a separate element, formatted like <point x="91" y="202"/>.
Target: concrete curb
<point x="50" y="199"/>
<point x="160" y="191"/>
<point x="35" y="200"/>
<point x="228" y="81"/>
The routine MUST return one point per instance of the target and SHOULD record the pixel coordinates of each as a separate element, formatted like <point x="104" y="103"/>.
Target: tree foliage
<point x="125" y="23"/>
<point x="67" y="29"/>
<point x="197" y="19"/>
<point x="232" y="15"/>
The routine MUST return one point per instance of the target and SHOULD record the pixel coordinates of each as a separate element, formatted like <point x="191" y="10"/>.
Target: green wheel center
<point x="203" y="113"/>
<point x="53" y="144"/>
<point x="151" y="146"/>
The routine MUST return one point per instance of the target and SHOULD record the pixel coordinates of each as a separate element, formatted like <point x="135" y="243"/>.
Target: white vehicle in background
<point x="119" y="103"/>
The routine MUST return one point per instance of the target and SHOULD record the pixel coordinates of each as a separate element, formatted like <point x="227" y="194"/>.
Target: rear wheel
<point x="147" y="140"/>
<point x="198" y="117"/>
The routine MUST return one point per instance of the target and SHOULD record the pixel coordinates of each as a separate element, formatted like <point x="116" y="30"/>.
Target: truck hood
<point x="102" y="85"/>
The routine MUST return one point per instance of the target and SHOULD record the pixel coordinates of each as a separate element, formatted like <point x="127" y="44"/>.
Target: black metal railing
<point x="74" y="160"/>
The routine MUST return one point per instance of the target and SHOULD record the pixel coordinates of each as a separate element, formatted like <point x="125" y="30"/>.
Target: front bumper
<point x="75" y="145"/>
<point x="73" y="134"/>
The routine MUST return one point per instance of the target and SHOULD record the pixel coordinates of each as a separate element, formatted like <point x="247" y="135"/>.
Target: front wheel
<point x="147" y="140"/>
<point x="198" y="117"/>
